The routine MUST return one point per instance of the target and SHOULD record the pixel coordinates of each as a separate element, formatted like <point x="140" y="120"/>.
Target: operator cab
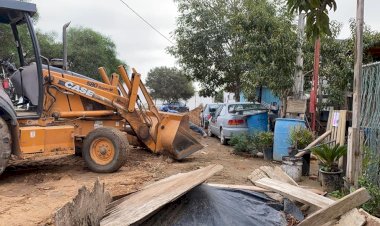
<point x="20" y="60"/>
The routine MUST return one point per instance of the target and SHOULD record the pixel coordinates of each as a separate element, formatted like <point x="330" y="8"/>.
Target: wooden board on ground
<point x="352" y="218"/>
<point x="370" y="220"/>
<point x="87" y="208"/>
<point x="138" y="206"/>
<point x="256" y="175"/>
<point x="272" y="172"/>
<point x="337" y="209"/>
<point x="294" y="192"/>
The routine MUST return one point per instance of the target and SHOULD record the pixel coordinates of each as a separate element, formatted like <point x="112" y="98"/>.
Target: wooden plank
<point x="279" y="174"/>
<point x="370" y="220"/>
<point x="294" y="192"/>
<point x="81" y="211"/>
<point x="350" y="159"/>
<point x="337" y="209"/>
<point x="312" y="144"/>
<point x="256" y="175"/>
<point x="296" y="106"/>
<point x="352" y="218"/>
<point x="243" y="187"/>
<point x="140" y="205"/>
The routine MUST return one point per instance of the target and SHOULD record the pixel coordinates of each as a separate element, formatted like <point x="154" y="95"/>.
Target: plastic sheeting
<point x="207" y="205"/>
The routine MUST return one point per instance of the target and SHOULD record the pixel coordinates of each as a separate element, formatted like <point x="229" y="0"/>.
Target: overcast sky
<point x="139" y="45"/>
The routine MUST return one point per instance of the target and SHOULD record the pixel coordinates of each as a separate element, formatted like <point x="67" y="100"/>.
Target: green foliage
<point x="218" y="98"/>
<point x="252" y="143"/>
<point x="222" y="43"/>
<point x="88" y="50"/>
<point x="243" y="144"/>
<point x="264" y="140"/>
<point x="370" y="161"/>
<point x="273" y="51"/>
<point x="338" y="194"/>
<point x="317" y="19"/>
<point x="373" y="205"/>
<point x="300" y="137"/>
<point x="329" y="156"/>
<point x="169" y="84"/>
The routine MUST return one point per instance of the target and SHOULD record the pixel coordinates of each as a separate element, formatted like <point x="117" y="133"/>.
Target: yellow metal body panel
<point x="48" y="140"/>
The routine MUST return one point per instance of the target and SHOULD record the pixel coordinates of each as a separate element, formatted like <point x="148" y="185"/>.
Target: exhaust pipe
<point x="64" y="41"/>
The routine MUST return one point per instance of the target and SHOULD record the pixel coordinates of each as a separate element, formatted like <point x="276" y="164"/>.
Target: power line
<point x="149" y="24"/>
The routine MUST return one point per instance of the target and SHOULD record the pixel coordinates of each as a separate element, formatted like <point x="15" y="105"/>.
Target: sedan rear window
<point x="243" y="108"/>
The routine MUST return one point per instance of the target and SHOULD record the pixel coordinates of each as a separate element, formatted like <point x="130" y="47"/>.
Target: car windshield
<point x="243" y="108"/>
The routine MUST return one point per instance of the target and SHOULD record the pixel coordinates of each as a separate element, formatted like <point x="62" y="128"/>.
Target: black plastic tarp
<point x="207" y="205"/>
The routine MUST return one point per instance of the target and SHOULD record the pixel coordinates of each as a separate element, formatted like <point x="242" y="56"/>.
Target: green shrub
<point x="372" y="206"/>
<point x="370" y="160"/>
<point x="252" y="143"/>
<point x="300" y="137"/>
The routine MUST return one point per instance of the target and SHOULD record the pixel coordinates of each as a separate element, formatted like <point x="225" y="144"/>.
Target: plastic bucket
<point x="258" y="122"/>
<point x="293" y="167"/>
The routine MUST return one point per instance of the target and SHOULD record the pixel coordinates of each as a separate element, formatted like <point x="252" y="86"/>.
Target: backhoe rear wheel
<point x="105" y="150"/>
<point x="5" y="145"/>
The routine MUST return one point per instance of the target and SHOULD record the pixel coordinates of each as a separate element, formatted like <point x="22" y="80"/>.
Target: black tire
<point x="6" y="145"/>
<point x="117" y="140"/>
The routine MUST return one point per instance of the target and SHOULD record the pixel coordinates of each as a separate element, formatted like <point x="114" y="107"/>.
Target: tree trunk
<point x="284" y="102"/>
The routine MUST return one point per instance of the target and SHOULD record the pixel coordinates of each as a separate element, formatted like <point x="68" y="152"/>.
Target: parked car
<point x="230" y="119"/>
<point x="177" y="106"/>
<point x="206" y="113"/>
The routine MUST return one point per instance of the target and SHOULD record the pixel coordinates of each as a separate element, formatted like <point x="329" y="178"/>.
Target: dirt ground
<point x="31" y="192"/>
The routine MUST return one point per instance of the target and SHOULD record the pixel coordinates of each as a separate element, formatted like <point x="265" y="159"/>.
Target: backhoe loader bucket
<point x="176" y="138"/>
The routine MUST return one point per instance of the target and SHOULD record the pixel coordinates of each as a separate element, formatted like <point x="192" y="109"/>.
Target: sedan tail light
<point x="236" y="121"/>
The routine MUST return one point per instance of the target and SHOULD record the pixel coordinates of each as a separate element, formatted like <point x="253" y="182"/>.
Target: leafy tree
<point x="317" y="19"/>
<point x="88" y="50"/>
<point x="210" y="45"/>
<point x="274" y="50"/>
<point x="169" y="84"/>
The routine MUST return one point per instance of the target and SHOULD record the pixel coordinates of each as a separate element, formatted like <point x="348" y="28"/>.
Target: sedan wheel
<point x="222" y="138"/>
<point x="209" y="133"/>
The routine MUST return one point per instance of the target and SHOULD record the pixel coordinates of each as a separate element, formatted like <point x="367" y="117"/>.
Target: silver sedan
<point x="230" y="119"/>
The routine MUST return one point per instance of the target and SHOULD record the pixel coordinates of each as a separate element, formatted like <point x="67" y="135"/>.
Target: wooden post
<point x="314" y="91"/>
<point x="355" y="159"/>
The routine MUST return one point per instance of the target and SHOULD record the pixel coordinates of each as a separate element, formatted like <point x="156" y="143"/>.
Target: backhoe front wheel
<point x="105" y="150"/>
<point x="5" y="145"/>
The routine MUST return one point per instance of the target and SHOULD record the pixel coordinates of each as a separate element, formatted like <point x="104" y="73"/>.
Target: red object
<point x="236" y="121"/>
<point x="5" y="84"/>
<point x="314" y="91"/>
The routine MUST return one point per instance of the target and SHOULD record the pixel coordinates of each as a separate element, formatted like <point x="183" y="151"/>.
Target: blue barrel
<point x="281" y="136"/>
<point x="258" y="122"/>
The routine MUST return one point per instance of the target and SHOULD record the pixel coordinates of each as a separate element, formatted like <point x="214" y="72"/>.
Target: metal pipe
<point x="64" y="41"/>
<point x="71" y="114"/>
<point x="103" y="74"/>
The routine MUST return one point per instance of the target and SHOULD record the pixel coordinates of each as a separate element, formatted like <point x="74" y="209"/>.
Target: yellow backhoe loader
<point x="45" y="110"/>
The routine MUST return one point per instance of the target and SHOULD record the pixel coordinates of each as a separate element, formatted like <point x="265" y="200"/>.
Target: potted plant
<point x="300" y="137"/>
<point x="264" y="142"/>
<point x="329" y="156"/>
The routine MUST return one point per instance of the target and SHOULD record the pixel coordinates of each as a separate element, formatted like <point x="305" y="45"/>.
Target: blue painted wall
<point x="267" y="96"/>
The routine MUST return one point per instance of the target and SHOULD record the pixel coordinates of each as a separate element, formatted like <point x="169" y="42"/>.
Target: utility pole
<point x="354" y="152"/>
<point x="299" y="76"/>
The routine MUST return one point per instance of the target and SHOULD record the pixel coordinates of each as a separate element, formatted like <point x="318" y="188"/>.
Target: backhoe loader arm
<point x="157" y="130"/>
